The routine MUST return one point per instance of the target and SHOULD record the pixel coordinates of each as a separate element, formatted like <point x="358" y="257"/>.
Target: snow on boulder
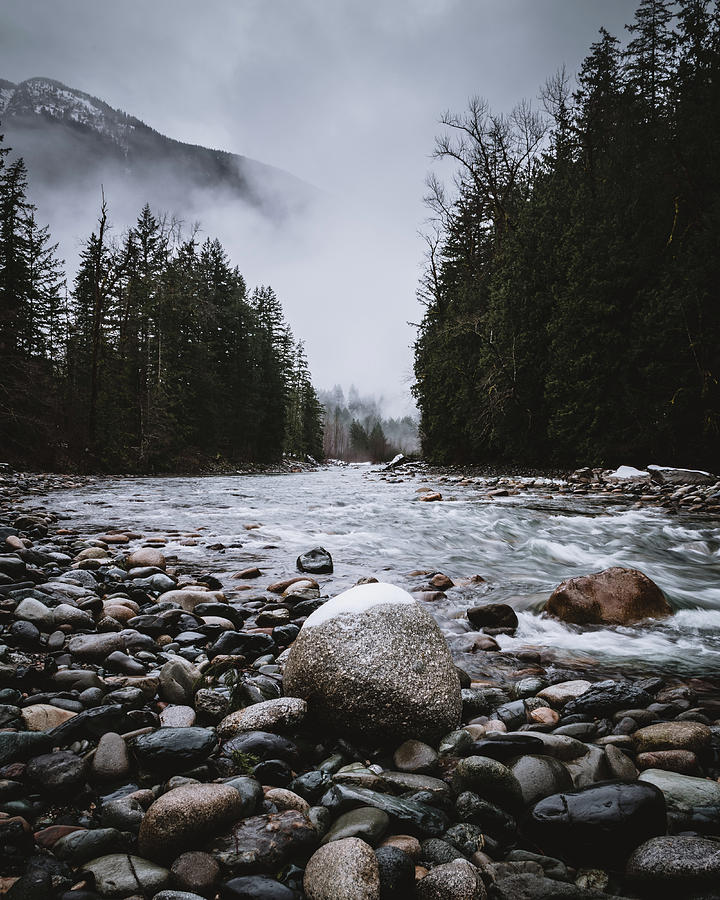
<point x="668" y="475"/>
<point x="373" y="663"/>
<point x="614" y="596"/>
<point x="625" y="473"/>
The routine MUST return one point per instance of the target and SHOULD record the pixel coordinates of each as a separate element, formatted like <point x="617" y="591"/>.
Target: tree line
<point x="156" y="358"/>
<point x="571" y="291"/>
<point x="357" y="431"/>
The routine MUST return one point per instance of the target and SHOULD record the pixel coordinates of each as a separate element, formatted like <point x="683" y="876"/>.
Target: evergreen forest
<point x="572" y="280"/>
<point x="156" y="358"/>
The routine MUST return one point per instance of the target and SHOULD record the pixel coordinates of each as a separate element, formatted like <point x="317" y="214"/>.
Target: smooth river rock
<point x="692" y="803"/>
<point x="692" y="736"/>
<point x="678" y="865"/>
<point x="282" y="714"/>
<point x="373" y="663"/>
<point x="343" y="870"/>
<point x="614" y="596"/>
<point x="185" y="816"/>
<point x="122" y="875"/>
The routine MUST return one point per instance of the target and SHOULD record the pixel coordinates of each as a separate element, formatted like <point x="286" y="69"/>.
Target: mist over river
<point x="523" y="547"/>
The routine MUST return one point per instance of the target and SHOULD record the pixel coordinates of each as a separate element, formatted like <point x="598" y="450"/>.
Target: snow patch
<point x="674" y="469"/>
<point x="629" y="472"/>
<point x="358" y="600"/>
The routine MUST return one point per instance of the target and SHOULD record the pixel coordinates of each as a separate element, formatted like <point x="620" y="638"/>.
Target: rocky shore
<point x="164" y="736"/>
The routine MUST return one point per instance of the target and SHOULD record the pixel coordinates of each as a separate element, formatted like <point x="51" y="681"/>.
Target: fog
<point x="345" y="96"/>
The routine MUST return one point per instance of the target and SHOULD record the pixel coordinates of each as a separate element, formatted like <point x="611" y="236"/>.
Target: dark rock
<point x="264" y="843"/>
<point x="490" y="779"/>
<point x="262" y="745"/>
<point x="540" y="776"/>
<point x="606" y="697"/>
<point x="81" y="846"/>
<point x="236" y="642"/>
<point x="493" y="615"/>
<point x="315" y="562"/>
<point x="676" y="866"/>
<point x="489" y="818"/>
<point x="59" y="772"/>
<point x="436" y="852"/>
<point x="195" y="871"/>
<point x="174" y="749"/>
<point x="600" y="824"/>
<point x="419" y="818"/>
<point x="256" y="887"/>
<point x="397" y="874"/>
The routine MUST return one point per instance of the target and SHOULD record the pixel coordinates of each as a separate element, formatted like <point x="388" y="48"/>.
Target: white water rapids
<point x="523" y="546"/>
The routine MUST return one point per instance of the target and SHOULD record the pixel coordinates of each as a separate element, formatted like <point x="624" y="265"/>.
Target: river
<point x="523" y="546"/>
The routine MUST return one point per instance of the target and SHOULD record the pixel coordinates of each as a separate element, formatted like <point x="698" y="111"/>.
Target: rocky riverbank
<point x="674" y="490"/>
<point x="148" y="745"/>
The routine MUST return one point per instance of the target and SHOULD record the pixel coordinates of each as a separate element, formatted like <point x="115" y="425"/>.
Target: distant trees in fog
<point x="356" y="431"/>
<point x="158" y="358"/>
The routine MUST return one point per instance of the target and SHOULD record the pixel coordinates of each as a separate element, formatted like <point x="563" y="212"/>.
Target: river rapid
<point x="523" y="547"/>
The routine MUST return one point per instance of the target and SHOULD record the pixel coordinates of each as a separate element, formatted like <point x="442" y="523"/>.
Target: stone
<point x="493" y="615"/>
<point x="685" y="762"/>
<point x="506" y="746"/>
<point x="112" y="760"/>
<point x="492" y="820"/>
<point x="177" y="716"/>
<point x="615" y="596"/>
<point x="124" y="813"/>
<point x="344" y="870"/>
<point x="589" y="768"/>
<point x="456" y="880"/>
<point x="315" y="562"/>
<point x="283" y="714"/>
<point x="32" y="610"/>
<point x="678" y="865"/>
<point x="97" y="647"/>
<point x="146" y="556"/>
<point x="405" y="842"/>
<point x="372" y="662"/>
<point x="418" y="816"/>
<point x="599" y="824"/>
<point x="58" y="773"/>
<point x="367" y="823"/>
<point x="490" y="779"/>
<point x="43" y="716"/>
<point x="81" y="846"/>
<point x="185" y="816"/>
<point x="397" y="874"/>
<point x="559" y="694"/>
<point x="693" y="804"/>
<point x="188" y="599"/>
<point x="536" y="887"/>
<point x="540" y="776"/>
<point x="122" y="875"/>
<point x="211" y="705"/>
<point x="619" y="764"/>
<point x="174" y="749"/>
<point x="606" y="697"/>
<point x="264" y="843"/>
<point x="283" y="799"/>
<point x="178" y="680"/>
<point x="263" y="745"/>
<point x="64" y="614"/>
<point x="692" y="736"/>
<point x="256" y="887"/>
<point x="17" y="745"/>
<point x="415" y="756"/>
<point x="195" y="871"/>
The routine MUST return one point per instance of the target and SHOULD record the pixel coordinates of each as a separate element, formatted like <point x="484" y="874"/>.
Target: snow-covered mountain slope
<point x="71" y="140"/>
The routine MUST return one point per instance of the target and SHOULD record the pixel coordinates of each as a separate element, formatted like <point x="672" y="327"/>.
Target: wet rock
<point x="493" y="615"/>
<point x="60" y="772"/>
<point x="178" y="680"/>
<point x="367" y="823"/>
<point x="43" y="717"/>
<point x="189" y="599"/>
<point x="175" y="716"/>
<point x="682" y="761"/>
<point x="691" y="736"/>
<point x="122" y="875"/>
<point x="606" y="697"/>
<point x="397" y="874"/>
<point x="211" y="705"/>
<point x="195" y="871"/>
<point x="124" y="813"/>
<point x="82" y="846"/>
<point x="589" y="768"/>
<point x="282" y="714"/>
<point x="490" y="819"/>
<point x="416" y="816"/>
<point x="315" y="562"/>
<point x="614" y="596"/>
<point x="174" y="749"/>
<point x="504" y="747"/>
<point x="187" y="815"/>
<point x="111" y="760"/>
<point x="256" y="887"/>
<point x="456" y="880"/>
<point x="263" y="745"/>
<point x="343" y="870"/>
<point x="415" y="756"/>
<point x="540" y="776"/>
<point x="146" y="556"/>
<point x="536" y="887"/>
<point x="490" y="779"/>
<point x="619" y="764"/>
<point x="246" y="644"/>
<point x="600" y="824"/>
<point x="283" y="799"/>
<point x="264" y="843"/>
<point x="693" y="804"/>
<point x="16" y="745"/>
<point x="373" y="662"/>
<point x="680" y="866"/>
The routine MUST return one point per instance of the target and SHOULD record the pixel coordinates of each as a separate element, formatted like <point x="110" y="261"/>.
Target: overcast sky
<point x="342" y="93"/>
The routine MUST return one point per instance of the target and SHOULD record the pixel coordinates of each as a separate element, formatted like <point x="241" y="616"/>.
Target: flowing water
<point x="523" y="546"/>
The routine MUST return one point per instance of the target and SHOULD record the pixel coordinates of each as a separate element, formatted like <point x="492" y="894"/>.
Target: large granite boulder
<point x="372" y="662"/>
<point x="614" y="596"/>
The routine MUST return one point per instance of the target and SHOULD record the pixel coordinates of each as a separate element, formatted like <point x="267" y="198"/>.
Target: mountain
<point x="74" y="142"/>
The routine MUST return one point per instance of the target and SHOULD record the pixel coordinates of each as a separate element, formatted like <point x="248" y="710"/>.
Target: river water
<point x="523" y="546"/>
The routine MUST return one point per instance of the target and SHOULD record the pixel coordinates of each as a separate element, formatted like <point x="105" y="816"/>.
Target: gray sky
<point x="346" y="95"/>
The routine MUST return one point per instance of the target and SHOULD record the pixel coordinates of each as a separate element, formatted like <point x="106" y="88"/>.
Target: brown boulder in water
<point x="615" y="596"/>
